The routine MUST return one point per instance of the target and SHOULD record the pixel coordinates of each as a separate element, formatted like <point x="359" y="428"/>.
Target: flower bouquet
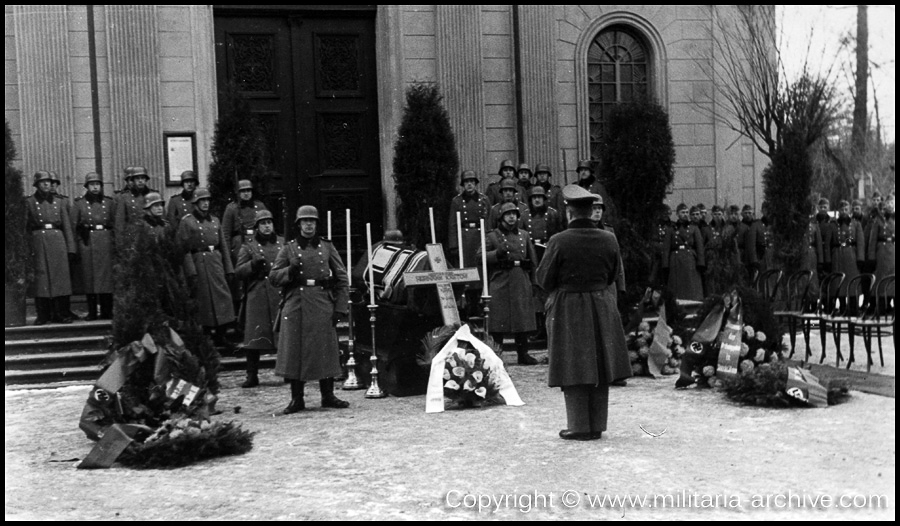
<point x="184" y="439"/>
<point x="639" y="345"/>
<point x="469" y="373"/>
<point x="467" y="381"/>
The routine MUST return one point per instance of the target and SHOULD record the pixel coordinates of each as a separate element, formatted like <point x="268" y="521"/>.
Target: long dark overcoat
<point x="239" y="223"/>
<point x="813" y="256"/>
<point x="307" y="341"/>
<point x="130" y="207"/>
<point x="92" y="219"/>
<point x="472" y="209"/>
<point x="206" y="256"/>
<point x="881" y="246"/>
<point x="584" y="329"/>
<point x="683" y="252"/>
<point x="510" y="279"/>
<point x="848" y="250"/>
<point x="261" y="298"/>
<point x="51" y="242"/>
<point x="178" y="207"/>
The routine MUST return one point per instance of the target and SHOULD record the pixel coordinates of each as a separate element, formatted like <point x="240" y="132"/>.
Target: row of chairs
<point x="861" y="306"/>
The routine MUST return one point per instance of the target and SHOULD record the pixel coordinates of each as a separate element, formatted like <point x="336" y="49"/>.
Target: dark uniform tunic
<point x="541" y="224"/>
<point x="472" y="209"/>
<point x="509" y="280"/>
<point x="130" y="207"/>
<point x="848" y="249"/>
<point x="92" y="217"/>
<point x="495" y="196"/>
<point x="239" y="223"/>
<point x="684" y="255"/>
<point x="740" y="238"/>
<point x="314" y="286"/>
<point x="813" y="256"/>
<point x="51" y="243"/>
<point x="585" y="338"/>
<point x="494" y="216"/>
<point x="881" y="246"/>
<point x="156" y="226"/>
<point x="657" y="251"/>
<point x="261" y="300"/>
<point x="554" y="200"/>
<point x="759" y="246"/>
<point x="207" y="258"/>
<point x="179" y="206"/>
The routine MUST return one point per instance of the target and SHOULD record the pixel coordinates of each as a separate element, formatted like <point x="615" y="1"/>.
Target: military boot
<point x="92" y="307"/>
<point x="297" y="403"/>
<point x="326" y="386"/>
<point x="522" y="350"/>
<point x="252" y="368"/>
<point x="43" y="309"/>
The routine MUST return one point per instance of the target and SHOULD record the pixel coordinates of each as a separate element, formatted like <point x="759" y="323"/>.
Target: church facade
<point x="100" y="88"/>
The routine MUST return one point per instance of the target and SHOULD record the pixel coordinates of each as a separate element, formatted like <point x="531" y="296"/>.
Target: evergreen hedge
<point x="18" y="251"/>
<point x="426" y="165"/>
<point x="238" y="152"/>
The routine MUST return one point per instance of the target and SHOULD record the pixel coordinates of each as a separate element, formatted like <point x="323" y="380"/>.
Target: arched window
<point x="618" y="68"/>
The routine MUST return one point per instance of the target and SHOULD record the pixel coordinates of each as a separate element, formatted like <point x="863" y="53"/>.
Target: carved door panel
<point x="310" y="80"/>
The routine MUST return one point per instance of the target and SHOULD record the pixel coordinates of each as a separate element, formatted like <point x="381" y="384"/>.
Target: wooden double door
<point x="309" y="77"/>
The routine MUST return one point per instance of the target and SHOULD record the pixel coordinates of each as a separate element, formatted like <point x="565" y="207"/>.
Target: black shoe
<point x="252" y="381"/>
<point x="295" y="406"/>
<point x="619" y="383"/>
<point x="61" y="319"/>
<point x="335" y="402"/>
<point x="596" y="435"/>
<point x="41" y="321"/>
<point x="565" y="434"/>
<point x="91" y="317"/>
<point x="527" y="359"/>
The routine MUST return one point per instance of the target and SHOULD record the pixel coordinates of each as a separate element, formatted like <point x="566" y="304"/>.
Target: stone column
<point x="206" y="102"/>
<point x="540" y="125"/>
<point x="458" y="35"/>
<point x="391" y="98"/>
<point x="45" y="92"/>
<point x="133" y="50"/>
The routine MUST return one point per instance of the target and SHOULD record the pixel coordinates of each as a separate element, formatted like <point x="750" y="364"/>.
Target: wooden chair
<point x="766" y="283"/>
<point x="796" y="292"/>
<point x="814" y="310"/>
<point x="877" y="316"/>
<point x="849" y="308"/>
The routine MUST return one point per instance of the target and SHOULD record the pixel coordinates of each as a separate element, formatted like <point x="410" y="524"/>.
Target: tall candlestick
<point x="459" y="238"/>
<point x="484" y="261"/>
<point x="431" y="220"/>
<point x="349" y="274"/>
<point x="371" y="271"/>
<point x="329" y="224"/>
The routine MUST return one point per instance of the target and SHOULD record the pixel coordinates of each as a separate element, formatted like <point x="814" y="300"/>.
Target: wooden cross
<point x="444" y="279"/>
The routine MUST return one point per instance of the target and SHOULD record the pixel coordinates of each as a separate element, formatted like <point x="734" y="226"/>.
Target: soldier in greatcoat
<point x="75" y="267"/>
<point x="813" y="258"/>
<point x="261" y="300"/>
<point x="181" y="204"/>
<point x="92" y="218"/>
<point x="542" y="178"/>
<point x="826" y="228"/>
<point x="759" y="245"/>
<point x="658" y="270"/>
<point x="685" y="257"/>
<point x="588" y="180"/>
<point x="508" y="192"/>
<point x="315" y="288"/>
<point x="53" y="247"/>
<point x="506" y="171"/>
<point x="155" y="216"/>
<point x="585" y="338"/>
<point x="130" y="207"/>
<point x="542" y="222"/>
<point x="510" y="259"/>
<point x="848" y="249"/>
<point x="473" y="206"/>
<point x="237" y="225"/>
<point x="881" y="242"/>
<point x="207" y="266"/>
<point x="524" y="174"/>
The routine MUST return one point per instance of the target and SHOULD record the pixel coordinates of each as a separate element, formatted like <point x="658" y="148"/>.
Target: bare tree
<point x="858" y="141"/>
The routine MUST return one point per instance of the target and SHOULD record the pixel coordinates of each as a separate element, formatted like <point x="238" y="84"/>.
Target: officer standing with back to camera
<point x="316" y="291"/>
<point x="585" y="338"/>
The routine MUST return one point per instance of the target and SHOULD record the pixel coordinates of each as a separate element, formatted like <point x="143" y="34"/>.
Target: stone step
<point x="55" y="360"/>
<point x="58" y="330"/>
<point x="71" y="375"/>
<point x="47" y="346"/>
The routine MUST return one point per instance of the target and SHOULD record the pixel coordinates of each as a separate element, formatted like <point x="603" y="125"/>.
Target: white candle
<point x="459" y="239"/>
<point x="371" y="272"/>
<point x="484" y="261"/>
<point x="431" y="220"/>
<point x="329" y="225"/>
<point x="349" y="274"/>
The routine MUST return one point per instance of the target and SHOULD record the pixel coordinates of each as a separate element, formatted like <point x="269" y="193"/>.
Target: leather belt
<point x="46" y="226"/>
<point x="680" y="247"/>
<point x="208" y="248"/>
<point x="889" y="239"/>
<point x="324" y="283"/>
<point x="97" y="227"/>
<point x="525" y="265"/>
<point x="470" y="225"/>
<point x="848" y="244"/>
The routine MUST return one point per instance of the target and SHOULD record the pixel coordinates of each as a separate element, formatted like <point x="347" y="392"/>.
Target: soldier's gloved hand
<point x="503" y="252"/>
<point x="259" y="265"/>
<point x="336" y="317"/>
